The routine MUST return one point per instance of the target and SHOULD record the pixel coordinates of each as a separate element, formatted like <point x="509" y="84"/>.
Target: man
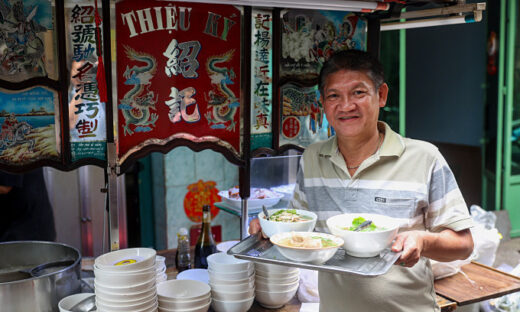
<point x="367" y="167"/>
<point x="8" y="127"/>
<point x="25" y="210"/>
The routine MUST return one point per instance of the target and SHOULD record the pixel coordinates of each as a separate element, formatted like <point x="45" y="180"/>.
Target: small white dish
<point x="130" y="259"/>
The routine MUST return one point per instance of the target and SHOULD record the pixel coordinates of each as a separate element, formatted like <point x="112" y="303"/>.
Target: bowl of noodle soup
<point x="287" y="220"/>
<point x="312" y="247"/>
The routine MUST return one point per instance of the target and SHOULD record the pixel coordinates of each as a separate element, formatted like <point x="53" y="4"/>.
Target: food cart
<point x="106" y="88"/>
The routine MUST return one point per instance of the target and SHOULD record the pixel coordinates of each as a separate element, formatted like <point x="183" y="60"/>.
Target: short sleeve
<point x="447" y="208"/>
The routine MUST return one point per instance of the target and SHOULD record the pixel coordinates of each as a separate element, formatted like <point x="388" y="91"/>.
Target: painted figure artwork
<point x="309" y="37"/>
<point x="27" y="126"/>
<point x="25" y="38"/>
<point x="303" y="118"/>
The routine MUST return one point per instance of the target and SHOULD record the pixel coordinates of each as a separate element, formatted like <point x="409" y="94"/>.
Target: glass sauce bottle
<point x="205" y="244"/>
<point x="182" y="256"/>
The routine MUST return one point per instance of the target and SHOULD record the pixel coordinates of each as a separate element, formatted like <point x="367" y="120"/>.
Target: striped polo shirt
<point x="405" y="178"/>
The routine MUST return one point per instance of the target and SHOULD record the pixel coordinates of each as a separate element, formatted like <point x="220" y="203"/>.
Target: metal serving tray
<point x="257" y="249"/>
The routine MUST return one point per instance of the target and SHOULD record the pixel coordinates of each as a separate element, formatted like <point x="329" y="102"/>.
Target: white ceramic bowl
<point x="304" y="254"/>
<point x="182" y="290"/>
<point x="232" y="296"/>
<point x="364" y="244"/>
<point x="117" y="279"/>
<point x="274" y="268"/>
<point x="203" y="308"/>
<point x="194" y="274"/>
<point x="214" y="280"/>
<point x="230" y="275"/>
<point x="68" y="302"/>
<point x="276" y="299"/>
<point x="225" y="246"/>
<point x="267" y="274"/>
<point x="125" y="307"/>
<point x="222" y="262"/>
<point x="232" y="287"/>
<point x="131" y="259"/>
<point x="274" y="280"/>
<point x="131" y="289"/>
<point x="232" y="306"/>
<point x="272" y="227"/>
<point x="183" y="305"/>
<point x="252" y="203"/>
<point x="113" y="299"/>
<point x="276" y="287"/>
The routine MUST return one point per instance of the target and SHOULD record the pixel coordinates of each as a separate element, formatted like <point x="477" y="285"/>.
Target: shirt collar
<point x="393" y="144"/>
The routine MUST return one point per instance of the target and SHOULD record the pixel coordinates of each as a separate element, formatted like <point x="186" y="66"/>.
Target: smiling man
<point x="367" y="167"/>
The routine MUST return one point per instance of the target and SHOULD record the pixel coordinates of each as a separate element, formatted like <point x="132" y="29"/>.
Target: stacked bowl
<point x="275" y="285"/>
<point x="160" y="269"/>
<point x="125" y="281"/>
<point x="232" y="283"/>
<point x="183" y="296"/>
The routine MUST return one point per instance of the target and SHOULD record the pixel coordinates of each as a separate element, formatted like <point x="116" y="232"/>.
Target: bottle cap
<point x="183" y="231"/>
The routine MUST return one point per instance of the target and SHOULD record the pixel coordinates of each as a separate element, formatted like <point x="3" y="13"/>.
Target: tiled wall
<point x="183" y="167"/>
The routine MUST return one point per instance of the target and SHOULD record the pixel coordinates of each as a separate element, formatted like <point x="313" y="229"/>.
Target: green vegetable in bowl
<point x="288" y="215"/>
<point x="358" y="221"/>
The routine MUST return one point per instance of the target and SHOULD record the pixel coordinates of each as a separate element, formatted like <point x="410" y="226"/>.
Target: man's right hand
<point x="254" y="226"/>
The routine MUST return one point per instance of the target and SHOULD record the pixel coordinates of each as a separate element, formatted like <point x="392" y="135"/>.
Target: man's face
<point x="351" y="103"/>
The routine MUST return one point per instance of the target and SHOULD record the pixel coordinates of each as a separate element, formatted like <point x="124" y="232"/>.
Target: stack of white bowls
<point x="125" y="281"/>
<point x="183" y="296"/>
<point x="160" y="269"/>
<point x="275" y="284"/>
<point x="232" y="283"/>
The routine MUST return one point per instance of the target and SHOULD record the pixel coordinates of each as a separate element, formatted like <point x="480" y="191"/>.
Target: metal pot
<point x="39" y="293"/>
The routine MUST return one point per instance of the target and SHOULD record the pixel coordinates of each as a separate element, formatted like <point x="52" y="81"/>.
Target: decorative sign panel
<point x="26" y="40"/>
<point x="178" y="74"/>
<point x="261" y="78"/>
<point x="87" y="121"/>
<point x="308" y="39"/>
<point x="28" y="126"/>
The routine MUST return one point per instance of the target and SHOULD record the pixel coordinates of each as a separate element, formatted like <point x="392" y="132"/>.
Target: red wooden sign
<point x="178" y="74"/>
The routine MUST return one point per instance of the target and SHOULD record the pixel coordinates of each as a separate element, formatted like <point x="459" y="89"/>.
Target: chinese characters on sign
<point x="178" y="74"/>
<point x="261" y="56"/>
<point x="86" y="112"/>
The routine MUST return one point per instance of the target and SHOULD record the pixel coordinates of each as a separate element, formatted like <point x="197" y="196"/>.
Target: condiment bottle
<point x="205" y="244"/>
<point x="182" y="256"/>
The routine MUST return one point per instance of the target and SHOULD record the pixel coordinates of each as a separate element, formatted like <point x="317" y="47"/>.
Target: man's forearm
<point x="447" y="245"/>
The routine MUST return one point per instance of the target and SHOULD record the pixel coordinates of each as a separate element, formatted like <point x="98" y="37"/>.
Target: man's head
<point x="354" y="60"/>
<point x="352" y="91"/>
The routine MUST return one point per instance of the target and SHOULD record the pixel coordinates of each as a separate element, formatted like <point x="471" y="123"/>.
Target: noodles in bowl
<point x="311" y="247"/>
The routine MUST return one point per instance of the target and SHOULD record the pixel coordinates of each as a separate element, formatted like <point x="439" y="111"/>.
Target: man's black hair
<point x="352" y="60"/>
